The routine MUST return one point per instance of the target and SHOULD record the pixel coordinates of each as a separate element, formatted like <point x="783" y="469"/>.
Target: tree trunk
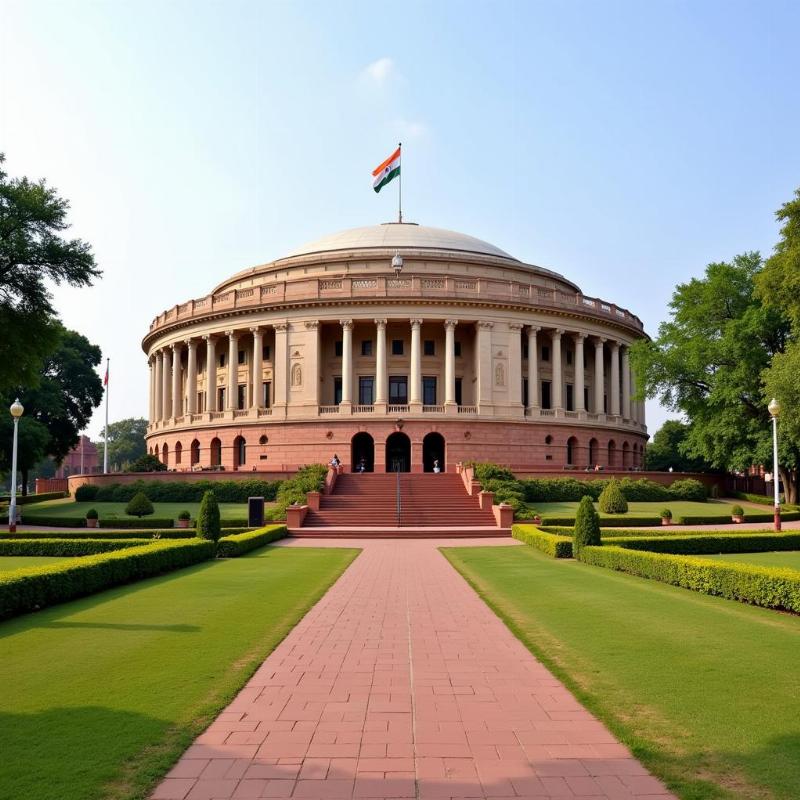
<point x="789" y="478"/>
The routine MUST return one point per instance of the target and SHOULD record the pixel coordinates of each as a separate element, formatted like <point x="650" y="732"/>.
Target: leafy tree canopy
<point x="32" y="254"/>
<point x="667" y="450"/>
<point x="126" y="441"/>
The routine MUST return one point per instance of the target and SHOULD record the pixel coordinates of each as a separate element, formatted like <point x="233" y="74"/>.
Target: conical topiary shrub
<point x="139" y="506"/>
<point x="208" y="517"/>
<point x="612" y="501"/>
<point x="587" y="526"/>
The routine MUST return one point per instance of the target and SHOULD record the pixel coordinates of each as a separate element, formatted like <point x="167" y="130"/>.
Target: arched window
<point x="194" y="456"/>
<point x="239" y="452"/>
<point x="178" y="452"/>
<point x="626" y="455"/>
<point x="572" y="447"/>
<point x="612" y="454"/>
<point x="592" y="452"/>
<point x="216" y="452"/>
<point x="165" y="455"/>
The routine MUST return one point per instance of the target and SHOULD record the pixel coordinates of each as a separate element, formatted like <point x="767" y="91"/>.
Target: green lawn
<point x="789" y="558"/>
<point x="100" y="696"/>
<point x="17" y="562"/>
<point x="69" y="508"/>
<point x="678" y="508"/>
<point x="704" y="690"/>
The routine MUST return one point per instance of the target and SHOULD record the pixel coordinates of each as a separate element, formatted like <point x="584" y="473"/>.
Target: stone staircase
<point x="431" y="506"/>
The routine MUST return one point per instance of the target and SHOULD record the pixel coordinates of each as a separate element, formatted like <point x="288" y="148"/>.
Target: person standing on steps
<point x="436" y="467"/>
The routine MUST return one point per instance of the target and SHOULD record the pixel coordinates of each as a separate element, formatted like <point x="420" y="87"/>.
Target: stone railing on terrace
<point x="411" y="287"/>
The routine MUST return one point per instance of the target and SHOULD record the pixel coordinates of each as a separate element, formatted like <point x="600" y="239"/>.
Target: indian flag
<point x="387" y="171"/>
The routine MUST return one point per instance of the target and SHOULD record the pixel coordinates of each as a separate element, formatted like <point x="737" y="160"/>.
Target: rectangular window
<point x="525" y="392"/>
<point x="201" y="402"/>
<point x="458" y="391"/>
<point x="570" y="396"/>
<point x="429" y="347"/>
<point x="266" y="394"/>
<point x="569" y="356"/>
<point x="428" y="390"/>
<point x="397" y="347"/>
<point x="242" y="356"/>
<point x="605" y="404"/>
<point x="241" y="396"/>
<point x="457" y="349"/>
<point x="337" y="390"/>
<point x="222" y="359"/>
<point x="366" y="390"/>
<point x="586" y="397"/>
<point x="398" y="390"/>
<point x="545" y="394"/>
<point x="545" y="352"/>
<point x="221" y="398"/>
<point x="265" y="352"/>
<point x="525" y="348"/>
<point x="366" y="347"/>
<point x="338" y="348"/>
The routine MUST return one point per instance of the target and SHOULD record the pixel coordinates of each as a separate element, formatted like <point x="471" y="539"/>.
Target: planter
<point x="91" y="523"/>
<point x="737" y="519"/>
<point x="183" y="523"/>
<point x="666" y="521"/>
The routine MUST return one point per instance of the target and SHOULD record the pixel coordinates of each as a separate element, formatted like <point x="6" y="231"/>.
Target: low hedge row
<point x="143" y="523"/>
<point x="63" y="547"/>
<point x="550" y="544"/>
<point x="614" y="533"/>
<point x="698" y="544"/>
<point x="551" y="490"/>
<point x="239" y="544"/>
<point x="32" y="589"/>
<point x="179" y="491"/>
<point x="26" y="500"/>
<point x="95" y="533"/>
<point x="749" y="516"/>
<point x="763" y="586"/>
<point x="606" y="522"/>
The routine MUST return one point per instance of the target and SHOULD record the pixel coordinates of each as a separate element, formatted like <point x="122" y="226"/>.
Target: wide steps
<point x="414" y="532"/>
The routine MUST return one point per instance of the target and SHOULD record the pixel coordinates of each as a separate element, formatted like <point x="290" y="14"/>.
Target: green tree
<point x="587" y="526"/>
<point x="125" y="441"/>
<point x="139" y="506"/>
<point x="667" y="450"/>
<point x="611" y="500"/>
<point x="208" y="523"/>
<point x="61" y="404"/>
<point x="33" y="255"/>
<point x="707" y="363"/>
<point x="147" y="463"/>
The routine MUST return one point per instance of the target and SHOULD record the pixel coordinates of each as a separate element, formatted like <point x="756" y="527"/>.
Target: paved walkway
<point x="401" y="683"/>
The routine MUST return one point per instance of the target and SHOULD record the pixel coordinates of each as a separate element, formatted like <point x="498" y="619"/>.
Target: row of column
<point x="381" y="365"/>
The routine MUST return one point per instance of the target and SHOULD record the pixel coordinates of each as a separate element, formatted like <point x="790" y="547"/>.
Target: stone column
<point x="211" y="373"/>
<point x="533" y="369"/>
<point x="191" y="377"/>
<point x="233" y="370"/>
<point x="281" y="363"/>
<point x="312" y="362"/>
<point x="151" y="371"/>
<point x="626" y="384"/>
<point x="257" y="371"/>
<point x="177" y="381"/>
<point x="578" y="368"/>
<point x="614" y="379"/>
<point x="166" y="375"/>
<point x="515" y="366"/>
<point x="450" y="362"/>
<point x="599" y="375"/>
<point x="558" y="377"/>
<point x="347" y="362"/>
<point x="415" y="379"/>
<point x="484" y="366"/>
<point x="381" y="375"/>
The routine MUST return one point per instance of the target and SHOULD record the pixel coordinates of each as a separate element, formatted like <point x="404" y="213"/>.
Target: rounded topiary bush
<point x="139" y="506"/>
<point x="91" y="513"/>
<point x="208" y="526"/>
<point x="611" y="500"/>
<point x="666" y="513"/>
<point x="737" y="511"/>
<point x="85" y="492"/>
<point x="587" y="526"/>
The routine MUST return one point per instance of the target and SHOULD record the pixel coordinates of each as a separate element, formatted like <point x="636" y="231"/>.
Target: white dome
<point x="397" y="235"/>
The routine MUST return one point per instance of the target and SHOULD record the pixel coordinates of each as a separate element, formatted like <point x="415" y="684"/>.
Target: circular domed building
<point x="394" y="346"/>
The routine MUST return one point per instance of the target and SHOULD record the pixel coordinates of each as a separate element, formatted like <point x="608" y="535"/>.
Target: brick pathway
<point x="401" y="683"/>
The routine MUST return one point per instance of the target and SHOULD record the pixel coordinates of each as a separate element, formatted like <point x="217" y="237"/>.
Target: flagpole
<point x="105" y="444"/>
<point x="400" y="186"/>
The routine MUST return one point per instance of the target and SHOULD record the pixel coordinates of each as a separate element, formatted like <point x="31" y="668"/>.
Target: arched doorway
<point x="165" y="455"/>
<point x="612" y="454"/>
<point x="178" y="453"/>
<point x="239" y="452"/>
<point x="433" y="449"/>
<point x="398" y="453"/>
<point x="194" y="453"/>
<point x="216" y="452"/>
<point x="592" y="452"/>
<point x="362" y="446"/>
<point x="626" y="455"/>
<point x="572" y="450"/>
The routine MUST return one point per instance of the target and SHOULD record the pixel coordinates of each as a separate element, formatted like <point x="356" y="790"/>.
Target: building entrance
<point x="362" y="448"/>
<point x="398" y="453"/>
<point x="432" y="451"/>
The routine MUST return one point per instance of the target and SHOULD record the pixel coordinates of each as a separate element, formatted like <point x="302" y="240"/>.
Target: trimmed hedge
<point x="615" y="533"/>
<point x="307" y="479"/>
<point x="239" y="544"/>
<point x="709" y="545"/>
<point x="63" y="547"/>
<point x="611" y="500"/>
<point x="550" y="544"/>
<point x="606" y="522"/>
<point x="762" y="586"/>
<point x="178" y="491"/>
<point x="28" y="499"/>
<point x="749" y="516"/>
<point x="95" y="533"/>
<point x="32" y="589"/>
<point x="551" y="490"/>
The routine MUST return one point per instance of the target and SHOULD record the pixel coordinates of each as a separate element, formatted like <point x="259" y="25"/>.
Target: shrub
<point x="550" y="544"/>
<point x="587" y="526"/>
<point x="763" y="586"/>
<point x="307" y="479"/>
<point x="688" y="489"/>
<point x="486" y="471"/>
<point x="92" y="513"/>
<point x="698" y="543"/>
<point x="184" y="515"/>
<point x="612" y="501"/>
<point x="29" y="499"/>
<point x="208" y="525"/>
<point x="666" y="513"/>
<point x="31" y="589"/>
<point x="737" y="511"/>
<point x="63" y="547"/>
<point x="239" y="544"/>
<point x="147" y="463"/>
<point x="86" y="493"/>
<point x="153" y="522"/>
<point x="173" y="491"/>
<point x="139" y="506"/>
<point x="140" y="532"/>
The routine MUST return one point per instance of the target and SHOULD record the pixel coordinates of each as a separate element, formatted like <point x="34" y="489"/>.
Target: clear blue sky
<point x="623" y="144"/>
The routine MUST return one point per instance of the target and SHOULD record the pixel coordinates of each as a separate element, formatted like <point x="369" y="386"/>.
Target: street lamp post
<point x="16" y="412"/>
<point x="774" y="410"/>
